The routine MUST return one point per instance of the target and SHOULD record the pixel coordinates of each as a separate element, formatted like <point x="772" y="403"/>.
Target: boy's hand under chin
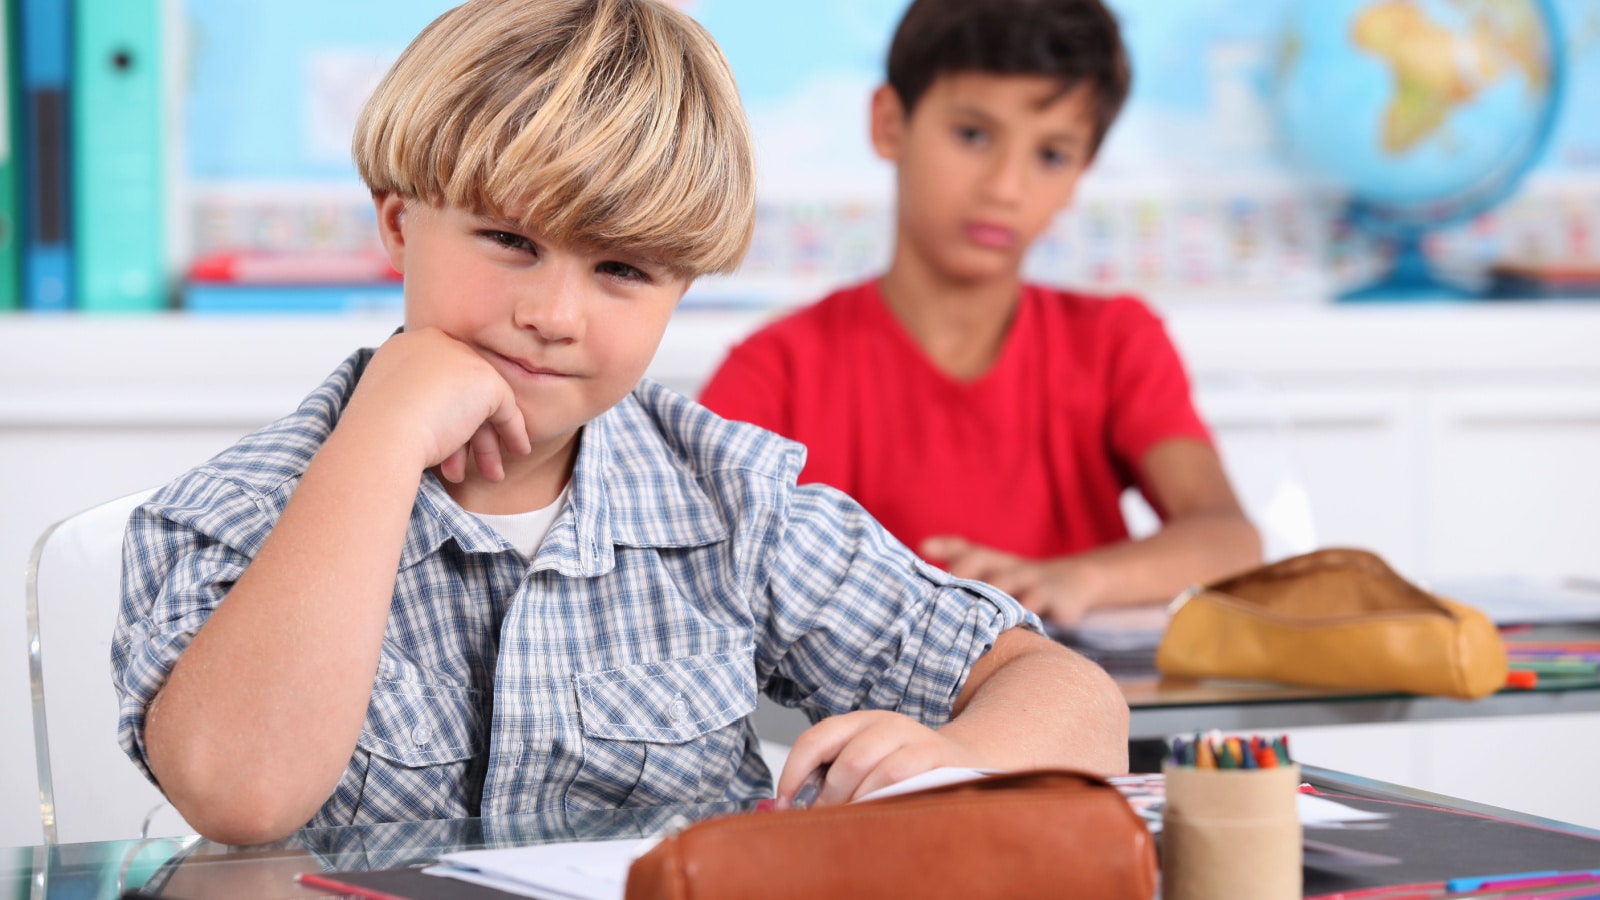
<point x="427" y="388"/>
<point x="867" y="750"/>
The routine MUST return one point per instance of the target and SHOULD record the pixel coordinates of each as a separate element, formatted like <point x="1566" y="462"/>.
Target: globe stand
<point x="1409" y="278"/>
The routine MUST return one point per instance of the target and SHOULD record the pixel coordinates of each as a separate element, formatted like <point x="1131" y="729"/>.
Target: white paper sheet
<point x="575" y="870"/>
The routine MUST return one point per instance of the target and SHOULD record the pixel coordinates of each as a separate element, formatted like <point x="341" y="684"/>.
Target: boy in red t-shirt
<point x="993" y="425"/>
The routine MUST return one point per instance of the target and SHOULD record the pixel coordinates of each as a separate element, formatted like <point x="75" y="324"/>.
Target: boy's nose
<point x="1007" y="179"/>
<point x="552" y="308"/>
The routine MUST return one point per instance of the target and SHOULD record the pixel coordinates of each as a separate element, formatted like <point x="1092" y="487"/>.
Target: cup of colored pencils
<point x="1231" y="824"/>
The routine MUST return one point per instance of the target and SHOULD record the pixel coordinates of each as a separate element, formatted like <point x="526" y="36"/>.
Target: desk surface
<point x="1162" y="707"/>
<point x="193" y="868"/>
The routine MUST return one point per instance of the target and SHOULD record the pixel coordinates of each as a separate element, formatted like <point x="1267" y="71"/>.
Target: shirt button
<point x="680" y="709"/>
<point x="421" y="735"/>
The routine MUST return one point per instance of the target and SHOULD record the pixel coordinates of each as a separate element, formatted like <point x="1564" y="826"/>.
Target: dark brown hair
<point x="1075" y="41"/>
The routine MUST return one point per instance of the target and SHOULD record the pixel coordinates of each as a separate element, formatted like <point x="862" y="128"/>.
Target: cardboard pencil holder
<point x="1231" y="834"/>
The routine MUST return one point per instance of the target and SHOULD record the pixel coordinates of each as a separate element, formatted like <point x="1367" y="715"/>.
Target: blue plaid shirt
<point x="619" y="665"/>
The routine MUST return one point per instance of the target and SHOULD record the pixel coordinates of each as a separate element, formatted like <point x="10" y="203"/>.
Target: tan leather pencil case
<point x="1334" y="618"/>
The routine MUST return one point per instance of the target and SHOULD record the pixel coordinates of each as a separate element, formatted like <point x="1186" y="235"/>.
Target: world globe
<point x="1426" y="112"/>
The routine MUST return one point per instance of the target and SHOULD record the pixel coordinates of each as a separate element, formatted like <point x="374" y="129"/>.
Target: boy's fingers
<point x="486" y="453"/>
<point x="815" y="746"/>
<point x="981" y="564"/>
<point x="507" y="422"/>
<point x="902" y="763"/>
<point x="856" y="761"/>
<point x="890" y="749"/>
<point x="454" y="467"/>
<point x="943" y="546"/>
<point x="1018" y="581"/>
<point x="1010" y="582"/>
<point x="1034" y="602"/>
<point x="821" y="743"/>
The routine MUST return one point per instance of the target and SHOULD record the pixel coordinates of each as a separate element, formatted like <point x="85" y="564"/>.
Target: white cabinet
<point x="1443" y="475"/>
<point x="1513" y="479"/>
<point x="1320" y="465"/>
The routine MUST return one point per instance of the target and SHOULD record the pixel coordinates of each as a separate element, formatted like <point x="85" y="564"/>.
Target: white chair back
<point x="88" y="788"/>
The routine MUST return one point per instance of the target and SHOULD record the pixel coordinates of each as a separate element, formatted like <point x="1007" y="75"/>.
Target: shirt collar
<point x="628" y="487"/>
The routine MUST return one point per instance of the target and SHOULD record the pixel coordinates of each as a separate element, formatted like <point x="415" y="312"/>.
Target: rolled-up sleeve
<point x="863" y="623"/>
<point x="182" y="552"/>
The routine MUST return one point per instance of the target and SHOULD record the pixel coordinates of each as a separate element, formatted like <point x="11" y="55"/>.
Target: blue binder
<point x="118" y="125"/>
<point x="10" y="164"/>
<point x="47" y="227"/>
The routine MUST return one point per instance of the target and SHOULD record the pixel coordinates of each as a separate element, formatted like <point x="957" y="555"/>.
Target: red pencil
<point x="324" y="883"/>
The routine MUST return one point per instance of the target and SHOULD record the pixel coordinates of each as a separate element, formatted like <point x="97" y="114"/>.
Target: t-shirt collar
<point x="627" y="488"/>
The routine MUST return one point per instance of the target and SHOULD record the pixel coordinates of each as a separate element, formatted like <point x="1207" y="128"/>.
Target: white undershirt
<point x="526" y="531"/>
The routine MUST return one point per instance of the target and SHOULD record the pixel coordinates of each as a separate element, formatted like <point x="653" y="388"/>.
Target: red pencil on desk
<point x="324" y="883"/>
<point x="1431" y="890"/>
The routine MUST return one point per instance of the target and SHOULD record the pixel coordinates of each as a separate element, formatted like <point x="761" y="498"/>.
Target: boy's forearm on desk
<point x="1044" y="706"/>
<point x="1186" y="551"/>
<point x="258" y="719"/>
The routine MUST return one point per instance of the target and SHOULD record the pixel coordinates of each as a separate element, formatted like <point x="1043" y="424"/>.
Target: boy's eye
<point x="508" y="240"/>
<point x="970" y="134"/>
<point x="621" y="270"/>
<point x="1053" y="158"/>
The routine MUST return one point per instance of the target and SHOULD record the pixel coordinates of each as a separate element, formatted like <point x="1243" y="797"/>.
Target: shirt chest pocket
<point x="664" y="732"/>
<point x="424" y="748"/>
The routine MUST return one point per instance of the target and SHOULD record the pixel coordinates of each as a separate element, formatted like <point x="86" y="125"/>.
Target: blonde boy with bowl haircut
<point x="484" y="568"/>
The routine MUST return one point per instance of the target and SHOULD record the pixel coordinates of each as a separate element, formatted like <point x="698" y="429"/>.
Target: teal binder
<point x="10" y="161"/>
<point x="119" y="128"/>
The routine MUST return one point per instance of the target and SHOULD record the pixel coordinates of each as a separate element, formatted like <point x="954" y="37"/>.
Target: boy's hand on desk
<point x="867" y="750"/>
<point x="1059" y="590"/>
<point x="429" y="387"/>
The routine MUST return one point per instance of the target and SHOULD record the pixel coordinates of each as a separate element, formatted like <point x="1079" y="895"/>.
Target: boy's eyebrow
<point x="494" y="220"/>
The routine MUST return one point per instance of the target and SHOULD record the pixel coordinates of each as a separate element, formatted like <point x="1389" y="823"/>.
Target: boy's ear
<point x="391" y="228"/>
<point x="888" y="122"/>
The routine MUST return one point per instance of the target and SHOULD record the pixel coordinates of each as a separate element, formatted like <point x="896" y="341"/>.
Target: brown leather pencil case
<point x="1040" y="833"/>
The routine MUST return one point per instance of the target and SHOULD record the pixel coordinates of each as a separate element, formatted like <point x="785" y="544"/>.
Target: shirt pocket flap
<point x="419" y="723"/>
<point x="668" y="702"/>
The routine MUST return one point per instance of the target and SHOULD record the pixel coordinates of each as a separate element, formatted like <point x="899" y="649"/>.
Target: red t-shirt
<point x="1031" y="457"/>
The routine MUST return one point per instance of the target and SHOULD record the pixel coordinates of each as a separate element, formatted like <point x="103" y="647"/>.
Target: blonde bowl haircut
<point x="607" y="123"/>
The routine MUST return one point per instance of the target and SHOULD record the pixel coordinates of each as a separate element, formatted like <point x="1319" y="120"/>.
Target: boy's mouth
<point x="527" y="369"/>
<point x="988" y="234"/>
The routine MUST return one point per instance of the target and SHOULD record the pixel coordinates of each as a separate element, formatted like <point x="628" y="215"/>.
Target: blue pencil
<point x="1461" y="885"/>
